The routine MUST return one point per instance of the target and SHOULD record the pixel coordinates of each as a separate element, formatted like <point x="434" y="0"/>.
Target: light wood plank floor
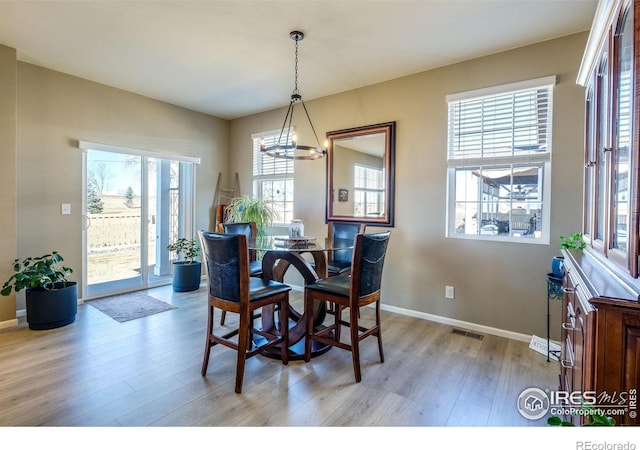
<point x="146" y="372"/>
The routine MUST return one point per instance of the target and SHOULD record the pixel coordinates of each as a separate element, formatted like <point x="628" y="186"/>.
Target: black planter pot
<point x="52" y="309"/>
<point x="186" y="276"/>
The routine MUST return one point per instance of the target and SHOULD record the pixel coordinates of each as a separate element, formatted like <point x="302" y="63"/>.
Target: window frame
<point x="259" y="176"/>
<point x="378" y="192"/>
<point x="531" y="159"/>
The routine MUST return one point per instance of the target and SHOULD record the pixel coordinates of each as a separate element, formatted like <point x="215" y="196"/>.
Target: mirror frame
<point x="389" y="129"/>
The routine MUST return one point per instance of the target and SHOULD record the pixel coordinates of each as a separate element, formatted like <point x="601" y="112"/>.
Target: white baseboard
<point x="448" y="321"/>
<point x="405" y="312"/>
<point x="8" y="324"/>
<point x="459" y="323"/>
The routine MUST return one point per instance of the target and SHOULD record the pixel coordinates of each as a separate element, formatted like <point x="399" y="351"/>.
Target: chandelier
<point x="282" y="148"/>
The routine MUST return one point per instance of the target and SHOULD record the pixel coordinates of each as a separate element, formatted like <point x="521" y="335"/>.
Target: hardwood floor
<point x="146" y="372"/>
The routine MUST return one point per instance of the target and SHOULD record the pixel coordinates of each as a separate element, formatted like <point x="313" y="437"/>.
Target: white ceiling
<point x="233" y="58"/>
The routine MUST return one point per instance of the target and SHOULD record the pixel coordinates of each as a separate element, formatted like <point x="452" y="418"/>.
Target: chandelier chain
<point x="295" y="90"/>
<point x="290" y="148"/>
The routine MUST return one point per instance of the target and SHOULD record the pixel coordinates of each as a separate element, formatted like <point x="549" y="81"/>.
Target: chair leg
<point x="284" y="329"/>
<point x="308" y="307"/>
<point x="379" y="333"/>
<point x="337" y="311"/>
<point x="223" y="316"/>
<point x="355" y="343"/>
<point x="207" y="348"/>
<point x="243" y="345"/>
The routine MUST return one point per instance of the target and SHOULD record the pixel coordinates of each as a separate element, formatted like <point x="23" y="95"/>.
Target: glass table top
<point x="307" y="243"/>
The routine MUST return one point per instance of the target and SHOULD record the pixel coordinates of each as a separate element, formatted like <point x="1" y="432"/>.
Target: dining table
<point x="279" y="253"/>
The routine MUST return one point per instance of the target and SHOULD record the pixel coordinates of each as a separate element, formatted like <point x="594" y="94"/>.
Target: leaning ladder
<point x="222" y="197"/>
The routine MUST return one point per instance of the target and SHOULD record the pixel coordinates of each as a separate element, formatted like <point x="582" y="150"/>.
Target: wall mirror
<point x="361" y="174"/>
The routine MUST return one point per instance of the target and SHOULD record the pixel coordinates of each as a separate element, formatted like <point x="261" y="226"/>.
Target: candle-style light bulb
<point x="261" y="143"/>
<point x="294" y="141"/>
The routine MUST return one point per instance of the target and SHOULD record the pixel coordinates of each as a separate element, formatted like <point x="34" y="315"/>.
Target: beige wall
<point x="54" y="112"/>
<point x="499" y="285"/>
<point x="8" y="223"/>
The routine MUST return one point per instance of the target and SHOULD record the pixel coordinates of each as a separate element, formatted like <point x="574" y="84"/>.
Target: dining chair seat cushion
<point x="339" y="285"/>
<point x="338" y="267"/>
<point x="255" y="268"/>
<point x="260" y="288"/>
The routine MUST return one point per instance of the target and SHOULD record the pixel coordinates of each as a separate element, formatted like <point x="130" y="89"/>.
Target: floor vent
<point x="467" y="334"/>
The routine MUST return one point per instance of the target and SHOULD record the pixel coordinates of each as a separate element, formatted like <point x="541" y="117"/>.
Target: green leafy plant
<point x="189" y="248"/>
<point x="573" y="242"/>
<point x="594" y="416"/>
<point x="43" y="272"/>
<point x="249" y="209"/>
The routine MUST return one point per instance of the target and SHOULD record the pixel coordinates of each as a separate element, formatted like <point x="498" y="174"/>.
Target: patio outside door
<point x="135" y="204"/>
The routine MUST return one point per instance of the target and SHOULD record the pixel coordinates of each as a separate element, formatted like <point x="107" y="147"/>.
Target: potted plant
<point x="572" y="242"/>
<point x="51" y="299"/>
<point x="186" y="270"/>
<point x="250" y="209"/>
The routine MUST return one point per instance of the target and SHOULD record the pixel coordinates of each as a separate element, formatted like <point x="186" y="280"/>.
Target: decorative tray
<point x="286" y="241"/>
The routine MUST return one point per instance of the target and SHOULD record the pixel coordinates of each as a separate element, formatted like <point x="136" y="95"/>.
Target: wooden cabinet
<point x="600" y="336"/>
<point x="576" y="357"/>
<point x="601" y="288"/>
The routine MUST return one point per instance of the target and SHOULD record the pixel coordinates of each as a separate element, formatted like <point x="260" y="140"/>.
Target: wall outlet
<point x="448" y="292"/>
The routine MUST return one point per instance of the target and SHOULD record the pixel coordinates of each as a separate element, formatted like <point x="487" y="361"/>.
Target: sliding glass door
<point x="135" y="203"/>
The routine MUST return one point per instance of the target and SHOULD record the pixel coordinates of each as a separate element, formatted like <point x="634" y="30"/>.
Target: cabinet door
<point x="566" y="354"/>
<point x="599" y="153"/>
<point x="618" y="351"/>
<point x="620" y="241"/>
<point x="631" y="324"/>
<point x="611" y="181"/>
<point x="572" y="344"/>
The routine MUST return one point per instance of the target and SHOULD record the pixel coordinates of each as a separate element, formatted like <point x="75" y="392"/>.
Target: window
<point x="369" y="188"/>
<point x="273" y="178"/>
<point x="499" y="162"/>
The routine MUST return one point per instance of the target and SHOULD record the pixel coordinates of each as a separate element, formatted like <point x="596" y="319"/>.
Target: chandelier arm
<point x="289" y="116"/>
<point x="292" y="107"/>
<point x="310" y="123"/>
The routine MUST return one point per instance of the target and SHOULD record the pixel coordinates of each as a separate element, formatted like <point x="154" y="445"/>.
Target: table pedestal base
<point x="296" y="351"/>
<point x="274" y="266"/>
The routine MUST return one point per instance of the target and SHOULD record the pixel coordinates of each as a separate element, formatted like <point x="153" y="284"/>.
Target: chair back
<point x="226" y="260"/>
<point x="249" y="229"/>
<point x="341" y="234"/>
<point x="368" y="261"/>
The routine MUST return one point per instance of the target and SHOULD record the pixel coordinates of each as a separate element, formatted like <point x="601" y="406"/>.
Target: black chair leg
<point x="207" y="348"/>
<point x="379" y="333"/>
<point x="283" y="312"/>
<point x="308" y="306"/>
<point x="243" y="346"/>
<point x="355" y="344"/>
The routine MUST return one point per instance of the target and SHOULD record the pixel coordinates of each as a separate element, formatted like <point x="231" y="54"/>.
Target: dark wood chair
<point x="250" y="230"/>
<point x="230" y="288"/>
<point x="339" y="261"/>
<point x="353" y="291"/>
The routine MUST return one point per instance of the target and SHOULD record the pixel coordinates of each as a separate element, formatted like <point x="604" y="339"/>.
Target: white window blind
<point x="499" y="162"/>
<point x="273" y="178"/>
<point x="510" y="123"/>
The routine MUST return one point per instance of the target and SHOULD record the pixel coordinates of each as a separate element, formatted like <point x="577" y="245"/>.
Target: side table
<point x="554" y="291"/>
